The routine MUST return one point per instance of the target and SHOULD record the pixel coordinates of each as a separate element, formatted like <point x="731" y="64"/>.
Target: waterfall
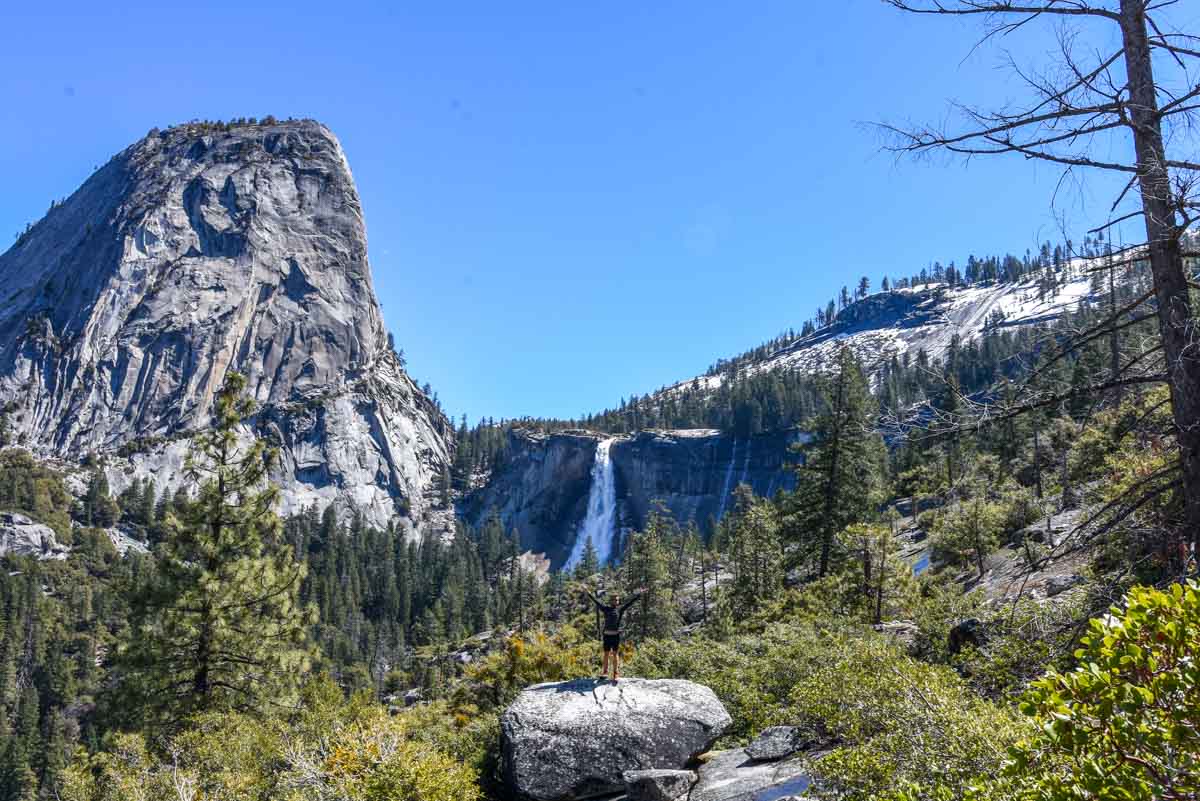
<point x="746" y="463"/>
<point x="598" y="524"/>
<point x="728" y="488"/>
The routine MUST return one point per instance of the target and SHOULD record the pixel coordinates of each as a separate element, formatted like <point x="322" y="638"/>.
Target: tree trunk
<point x="831" y="485"/>
<point x="883" y="557"/>
<point x="866" y="562"/>
<point x="201" y="682"/>
<point x="1114" y="342"/>
<point x="1175" y="321"/>
<point x="977" y="535"/>
<point x="1037" y="462"/>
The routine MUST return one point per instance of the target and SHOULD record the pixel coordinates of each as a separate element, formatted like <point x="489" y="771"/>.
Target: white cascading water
<point x="601" y="510"/>
<point x="746" y="463"/>
<point x="728" y="487"/>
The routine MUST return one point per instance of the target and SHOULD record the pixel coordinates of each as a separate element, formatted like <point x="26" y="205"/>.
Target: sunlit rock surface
<point x="577" y="739"/>
<point x="198" y="251"/>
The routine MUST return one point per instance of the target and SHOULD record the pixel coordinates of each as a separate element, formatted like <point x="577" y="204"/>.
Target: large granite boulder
<point x="576" y="739"/>
<point x="21" y="536"/>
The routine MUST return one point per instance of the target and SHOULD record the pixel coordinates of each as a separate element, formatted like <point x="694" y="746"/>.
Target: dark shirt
<point x="613" y="614"/>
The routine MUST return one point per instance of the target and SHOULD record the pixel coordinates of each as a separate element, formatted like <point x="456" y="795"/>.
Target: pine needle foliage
<point x="838" y="483"/>
<point x="219" y="626"/>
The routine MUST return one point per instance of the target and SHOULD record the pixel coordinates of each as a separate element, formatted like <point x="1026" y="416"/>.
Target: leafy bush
<point x="1021" y="509"/>
<point x="902" y="725"/>
<point x="897" y="723"/>
<point x="1125" y="723"/>
<point x="495" y="681"/>
<point x="1024" y="640"/>
<point x="753" y="674"/>
<point x="330" y="749"/>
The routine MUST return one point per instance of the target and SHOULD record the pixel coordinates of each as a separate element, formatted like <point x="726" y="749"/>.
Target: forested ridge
<point x="750" y="401"/>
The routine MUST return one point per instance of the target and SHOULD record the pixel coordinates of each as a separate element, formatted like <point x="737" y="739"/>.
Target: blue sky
<point x="565" y="205"/>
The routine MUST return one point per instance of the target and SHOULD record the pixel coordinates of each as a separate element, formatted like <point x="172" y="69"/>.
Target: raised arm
<point x="633" y="599"/>
<point x="591" y="597"/>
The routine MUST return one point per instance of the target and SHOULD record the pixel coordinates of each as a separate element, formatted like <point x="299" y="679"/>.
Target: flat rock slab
<point x="733" y="776"/>
<point x="658" y="785"/>
<point x="573" y="740"/>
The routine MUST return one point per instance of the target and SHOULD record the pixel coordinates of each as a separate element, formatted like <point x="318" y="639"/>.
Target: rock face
<point x="199" y="251"/>
<point x="542" y="491"/>
<point x="1057" y="585"/>
<point x="575" y="740"/>
<point x="21" y="536"/>
<point x="694" y="473"/>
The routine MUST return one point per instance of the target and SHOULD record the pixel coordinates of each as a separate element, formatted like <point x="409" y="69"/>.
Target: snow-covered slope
<point x="925" y="317"/>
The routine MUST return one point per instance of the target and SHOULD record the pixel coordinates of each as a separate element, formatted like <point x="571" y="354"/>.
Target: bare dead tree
<point x="1082" y="111"/>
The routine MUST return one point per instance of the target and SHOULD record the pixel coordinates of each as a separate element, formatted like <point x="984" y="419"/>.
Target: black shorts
<point x="612" y="642"/>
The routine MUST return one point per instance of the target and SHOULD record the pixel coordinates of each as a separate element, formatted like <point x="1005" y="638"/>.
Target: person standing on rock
<point x="612" y="630"/>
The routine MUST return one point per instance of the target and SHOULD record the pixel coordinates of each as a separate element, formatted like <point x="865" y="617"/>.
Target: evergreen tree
<point x="755" y="550"/>
<point x="839" y="480"/>
<point x="99" y="509"/>
<point x="219" y="626"/>
<point x="589" y="563"/>
<point x="887" y="579"/>
<point x="647" y="570"/>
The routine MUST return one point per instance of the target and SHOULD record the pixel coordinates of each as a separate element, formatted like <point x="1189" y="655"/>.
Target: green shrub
<point x="904" y="726"/>
<point x="967" y="533"/>
<point x="1125" y="724"/>
<point x="329" y="749"/>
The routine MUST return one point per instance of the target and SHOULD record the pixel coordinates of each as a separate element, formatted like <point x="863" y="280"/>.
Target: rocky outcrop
<point x="733" y="776"/>
<point x="22" y="536"/>
<point x="1057" y="585"/>
<point x="775" y="743"/>
<point x="198" y="251"/>
<point x="542" y="489"/>
<point x="577" y="739"/>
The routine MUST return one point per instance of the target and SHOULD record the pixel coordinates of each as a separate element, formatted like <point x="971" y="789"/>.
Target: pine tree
<point x="647" y="570"/>
<point x="755" y="550"/>
<point x="589" y="563"/>
<point x="887" y="579"/>
<point x="839" y="479"/>
<point x="99" y="509"/>
<point x="219" y="625"/>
